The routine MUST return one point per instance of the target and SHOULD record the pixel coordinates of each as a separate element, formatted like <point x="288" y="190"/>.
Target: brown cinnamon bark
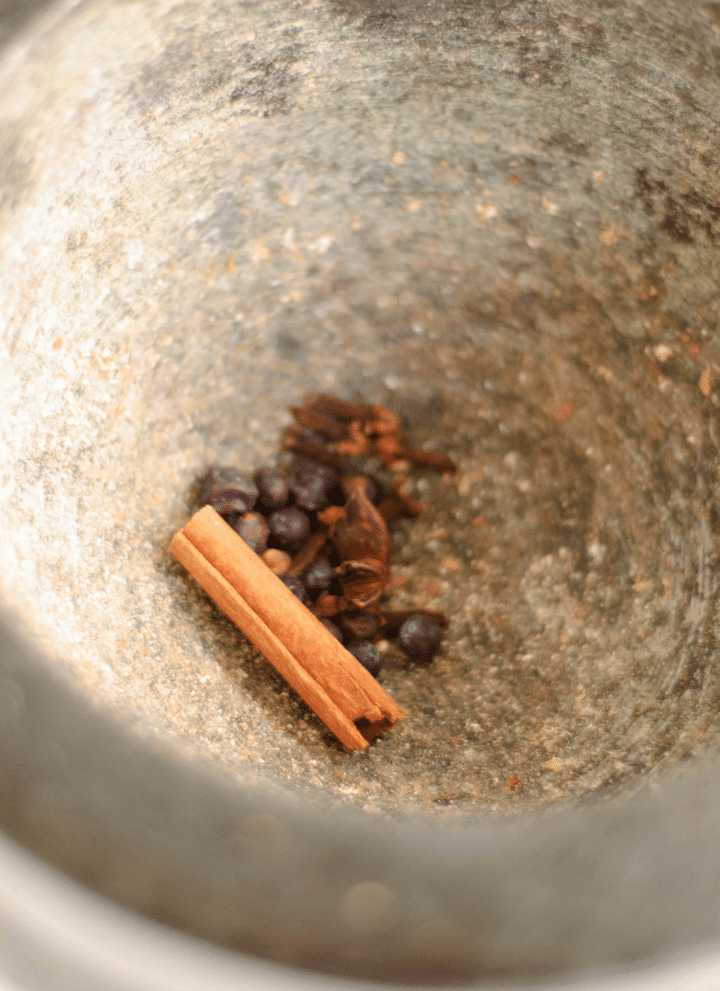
<point x="332" y="682"/>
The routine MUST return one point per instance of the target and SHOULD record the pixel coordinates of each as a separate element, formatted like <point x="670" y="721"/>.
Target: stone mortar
<point x="501" y="220"/>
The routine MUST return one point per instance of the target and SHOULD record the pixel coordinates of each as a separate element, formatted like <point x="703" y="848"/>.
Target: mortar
<point x="501" y="221"/>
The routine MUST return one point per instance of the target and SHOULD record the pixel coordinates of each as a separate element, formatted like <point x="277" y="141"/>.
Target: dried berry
<point x="278" y="561"/>
<point x="368" y="655"/>
<point x="273" y="489"/>
<point x="332" y="628"/>
<point x="254" y="530"/>
<point x="419" y="638"/>
<point x="227" y="490"/>
<point x="312" y="485"/>
<point x="289" y="528"/>
<point x="318" y="577"/>
<point x="392" y="619"/>
<point x="295" y="585"/>
<point x="360" y="625"/>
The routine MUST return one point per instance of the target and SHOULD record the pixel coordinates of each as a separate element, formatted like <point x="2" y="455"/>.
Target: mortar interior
<point x="202" y="224"/>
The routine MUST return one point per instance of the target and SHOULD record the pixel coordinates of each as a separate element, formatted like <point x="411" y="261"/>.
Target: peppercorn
<point x="332" y="628"/>
<point x="419" y="638"/>
<point x="289" y="527"/>
<point x="318" y="577"/>
<point x="360" y="625"/>
<point x="368" y="655"/>
<point x="278" y="561"/>
<point x="254" y="530"/>
<point x="312" y="484"/>
<point x="273" y="488"/>
<point x="295" y="585"/>
<point x="227" y="490"/>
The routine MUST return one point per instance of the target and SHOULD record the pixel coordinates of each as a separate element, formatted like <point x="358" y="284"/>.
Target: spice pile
<point x="321" y="522"/>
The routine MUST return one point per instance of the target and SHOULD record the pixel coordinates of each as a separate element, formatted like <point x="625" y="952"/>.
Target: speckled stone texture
<point x="499" y="219"/>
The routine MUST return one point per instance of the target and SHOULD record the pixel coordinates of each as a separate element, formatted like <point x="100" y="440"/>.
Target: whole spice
<point x="308" y="552"/>
<point x="319" y="528"/>
<point x="362" y="582"/>
<point x="367" y="653"/>
<point x="254" y="530"/>
<point x="318" y="578"/>
<point x="277" y="560"/>
<point x="361" y="534"/>
<point x="362" y="541"/>
<point x="326" y="424"/>
<point x="374" y="422"/>
<point x="296" y="586"/>
<point x="273" y="488"/>
<point x="312" y="485"/>
<point x="335" y="686"/>
<point x="360" y="625"/>
<point x="419" y="637"/>
<point x="228" y="490"/>
<point x="289" y="527"/>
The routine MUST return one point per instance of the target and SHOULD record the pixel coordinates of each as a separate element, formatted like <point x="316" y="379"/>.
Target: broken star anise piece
<point x="362" y="533"/>
<point x="362" y="582"/>
<point x="362" y="542"/>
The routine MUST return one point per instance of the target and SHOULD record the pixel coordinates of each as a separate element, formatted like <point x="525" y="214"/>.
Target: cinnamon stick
<point x="331" y="681"/>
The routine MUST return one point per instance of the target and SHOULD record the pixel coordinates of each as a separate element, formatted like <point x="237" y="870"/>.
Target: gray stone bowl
<point x="500" y="219"/>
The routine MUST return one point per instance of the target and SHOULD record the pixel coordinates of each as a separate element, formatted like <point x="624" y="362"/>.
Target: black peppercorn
<point x="227" y="490"/>
<point x="359" y="625"/>
<point x="273" y="488"/>
<point x="295" y="585"/>
<point x="368" y="655"/>
<point x="289" y="528"/>
<point x="332" y="628"/>
<point x="312" y="484"/>
<point x="318" y="577"/>
<point x="254" y="530"/>
<point x="419" y="638"/>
